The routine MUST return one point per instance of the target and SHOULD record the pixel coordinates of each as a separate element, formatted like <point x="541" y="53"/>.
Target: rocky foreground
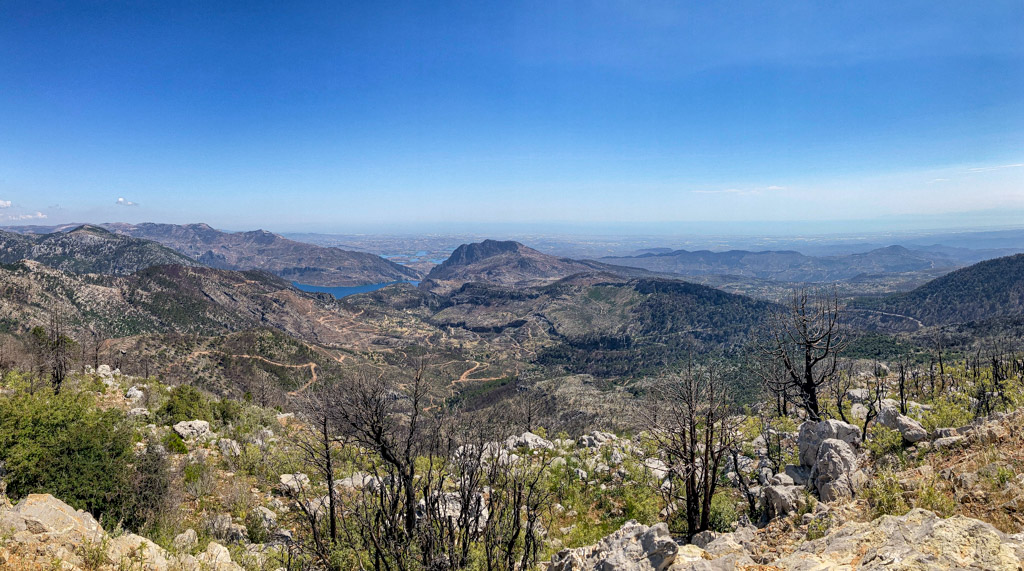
<point x="42" y="532"/>
<point x="917" y="540"/>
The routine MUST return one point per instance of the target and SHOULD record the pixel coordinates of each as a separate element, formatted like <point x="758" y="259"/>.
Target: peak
<point x="476" y="251"/>
<point x="90" y="229"/>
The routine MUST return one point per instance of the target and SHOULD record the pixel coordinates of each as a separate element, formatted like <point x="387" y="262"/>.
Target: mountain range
<point x="254" y="250"/>
<point x="88" y="249"/>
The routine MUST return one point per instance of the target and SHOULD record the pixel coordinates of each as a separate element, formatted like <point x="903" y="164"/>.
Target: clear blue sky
<point x="338" y="116"/>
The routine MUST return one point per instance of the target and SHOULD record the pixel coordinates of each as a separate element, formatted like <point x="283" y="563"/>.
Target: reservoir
<point x="340" y="292"/>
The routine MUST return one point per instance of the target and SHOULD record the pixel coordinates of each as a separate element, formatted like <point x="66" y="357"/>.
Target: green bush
<point x="946" y="412"/>
<point x="65" y="446"/>
<point x="882" y="441"/>
<point x="932" y="498"/>
<point x="723" y="512"/>
<point x="174" y="444"/>
<point x="885" y="495"/>
<point x="819" y="527"/>
<point x="186" y="403"/>
<point x="150" y="490"/>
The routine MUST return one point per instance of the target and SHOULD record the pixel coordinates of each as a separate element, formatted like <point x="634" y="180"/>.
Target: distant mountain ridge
<point x="262" y="250"/>
<point x="509" y="263"/>
<point x="788" y="265"/>
<point x="89" y="249"/>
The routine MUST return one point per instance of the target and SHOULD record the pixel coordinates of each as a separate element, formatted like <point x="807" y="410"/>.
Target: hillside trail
<point x="907" y="317"/>
<point x="312" y="365"/>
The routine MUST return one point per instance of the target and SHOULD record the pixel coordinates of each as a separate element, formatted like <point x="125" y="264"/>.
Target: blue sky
<point x="346" y="116"/>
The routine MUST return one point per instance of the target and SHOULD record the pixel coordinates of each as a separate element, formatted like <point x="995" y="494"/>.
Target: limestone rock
<point x="812" y="434"/>
<point x="948" y="441"/>
<point x="834" y="470"/>
<point x="917" y="540"/>
<point x="910" y="429"/>
<point x="188" y="429"/>
<point x="634" y="547"/>
<point x="186" y="541"/>
<point x="800" y="474"/>
<point x="528" y="440"/>
<point x="42" y="529"/>
<point x="783" y="500"/>
<point x="138" y="412"/>
<point x="134" y="394"/>
<point x="229" y="448"/>
<point x="292" y="484"/>
<point x="358" y="481"/>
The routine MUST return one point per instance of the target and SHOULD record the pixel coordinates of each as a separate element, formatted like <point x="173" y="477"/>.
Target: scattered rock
<point x="800" y="474"/>
<point x="293" y="484"/>
<point x="224" y="529"/>
<point x="528" y="440"/>
<point x="138" y="412"/>
<point x="134" y="394"/>
<point x="189" y="429"/>
<point x="910" y="429"/>
<point x="229" y="448"/>
<point x="784" y="500"/>
<point x="186" y="541"/>
<point x="947" y="442"/>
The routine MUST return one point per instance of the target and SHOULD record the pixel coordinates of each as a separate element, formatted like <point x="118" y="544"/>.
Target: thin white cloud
<point x="32" y="216"/>
<point x="122" y="202"/>
<point x="935" y="180"/>
<point x="5" y="203"/>
<point x="996" y="168"/>
<point x="776" y="187"/>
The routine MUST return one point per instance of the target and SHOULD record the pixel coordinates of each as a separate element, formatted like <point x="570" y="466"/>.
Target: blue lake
<point x="340" y="292"/>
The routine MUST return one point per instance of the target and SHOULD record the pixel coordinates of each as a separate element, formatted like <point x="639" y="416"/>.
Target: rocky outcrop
<point x="812" y="434"/>
<point x="634" y="547"/>
<point x="782" y="499"/>
<point x="189" y="429"/>
<point x="835" y="473"/>
<point x="829" y="450"/>
<point x="41" y="529"/>
<point x="910" y="429"/>
<point x="529" y="441"/>
<point x="917" y="540"/>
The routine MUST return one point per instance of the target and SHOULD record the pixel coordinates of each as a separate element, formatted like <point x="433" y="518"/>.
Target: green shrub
<point x="885" y="495"/>
<point x="723" y="512"/>
<point x="198" y="479"/>
<point x="174" y="444"/>
<point x="882" y="441"/>
<point x="807" y="506"/>
<point x="65" y="446"/>
<point x="150" y="490"/>
<point x="946" y="412"/>
<point x="186" y="403"/>
<point x="819" y="526"/>
<point x="254" y="525"/>
<point x="932" y="498"/>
